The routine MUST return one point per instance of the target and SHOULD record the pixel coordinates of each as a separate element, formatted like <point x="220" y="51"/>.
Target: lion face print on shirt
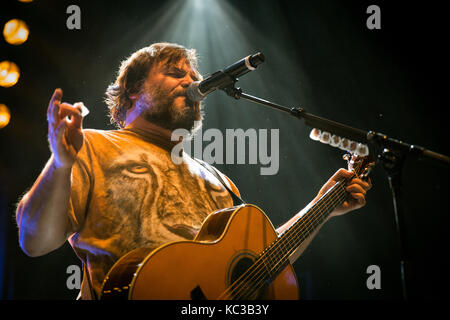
<point x="156" y="202"/>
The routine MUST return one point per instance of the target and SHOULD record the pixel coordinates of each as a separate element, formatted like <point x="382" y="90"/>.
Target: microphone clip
<point x="232" y="91"/>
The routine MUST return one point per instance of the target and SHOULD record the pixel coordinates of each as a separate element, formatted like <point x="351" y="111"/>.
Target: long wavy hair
<point x="133" y="72"/>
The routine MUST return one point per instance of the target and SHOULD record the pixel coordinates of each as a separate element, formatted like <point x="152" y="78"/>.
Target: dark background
<point x="319" y="55"/>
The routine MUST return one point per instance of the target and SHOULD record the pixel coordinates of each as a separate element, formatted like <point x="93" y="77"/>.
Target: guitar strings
<point x="281" y="263"/>
<point x="340" y="187"/>
<point x="335" y="194"/>
<point x="341" y="194"/>
<point x="238" y="284"/>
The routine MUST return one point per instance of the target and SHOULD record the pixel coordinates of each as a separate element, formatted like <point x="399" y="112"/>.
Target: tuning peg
<point x="346" y="157"/>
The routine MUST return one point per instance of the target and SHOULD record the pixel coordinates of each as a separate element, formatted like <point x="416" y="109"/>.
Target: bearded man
<point x="108" y="192"/>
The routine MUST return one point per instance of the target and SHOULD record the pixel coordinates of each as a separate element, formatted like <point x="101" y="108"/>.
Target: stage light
<point x="4" y="116"/>
<point x="9" y="74"/>
<point x="15" y="32"/>
<point x="25" y="1"/>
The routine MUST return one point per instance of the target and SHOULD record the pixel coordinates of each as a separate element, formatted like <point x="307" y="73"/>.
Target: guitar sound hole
<point x="244" y="288"/>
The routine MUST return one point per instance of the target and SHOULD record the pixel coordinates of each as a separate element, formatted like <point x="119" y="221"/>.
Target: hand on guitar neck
<point x="356" y="188"/>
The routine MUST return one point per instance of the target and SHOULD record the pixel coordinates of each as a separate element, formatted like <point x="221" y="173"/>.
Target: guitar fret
<point x="268" y="267"/>
<point x="279" y="252"/>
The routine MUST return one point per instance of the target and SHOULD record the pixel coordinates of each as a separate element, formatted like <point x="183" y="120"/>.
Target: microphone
<point x="198" y="90"/>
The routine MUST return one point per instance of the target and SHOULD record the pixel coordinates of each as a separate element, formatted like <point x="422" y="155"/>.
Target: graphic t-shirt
<point x="128" y="193"/>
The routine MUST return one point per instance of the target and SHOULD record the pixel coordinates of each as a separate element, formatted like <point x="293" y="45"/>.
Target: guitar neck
<point x="276" y="256"/>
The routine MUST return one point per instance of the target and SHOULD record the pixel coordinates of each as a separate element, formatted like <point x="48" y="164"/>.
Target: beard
<point x="158" y="106"/>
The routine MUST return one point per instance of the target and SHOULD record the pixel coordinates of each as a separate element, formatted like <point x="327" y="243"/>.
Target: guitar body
<point x="229" y="241"/>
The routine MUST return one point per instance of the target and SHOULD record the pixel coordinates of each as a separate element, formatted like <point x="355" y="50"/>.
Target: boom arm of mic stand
<point x="346" y="131"/>
<point x="392" y="157"/>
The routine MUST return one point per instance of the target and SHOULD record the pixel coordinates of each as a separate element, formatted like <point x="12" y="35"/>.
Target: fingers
<point x="357" y="185"/>
<point x="74" y="112"/>
<point x="358" y="188"/>
<point x="342" y="174"/>
<point x="360" y="198"/>
<point x="57" y="96"/>
<point x="57" y="111"/>
<point x="355" y="189"/>
<point x="345" y="174"/>
<point x="52" y="111"/>
<point x="59" y="131"/>
<point x="369" y="182"/>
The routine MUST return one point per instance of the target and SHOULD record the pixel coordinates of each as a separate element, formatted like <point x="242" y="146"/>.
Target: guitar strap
<point x="91" y="289"/>
<point x="236" y="199"/>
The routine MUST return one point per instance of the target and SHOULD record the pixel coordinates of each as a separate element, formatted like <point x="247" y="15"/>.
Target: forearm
<point x="42" y="213"/>
<point x="356" y="189"/>
<point x="299" y="251"/>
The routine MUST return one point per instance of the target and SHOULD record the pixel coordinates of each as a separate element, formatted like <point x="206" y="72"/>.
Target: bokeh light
<point x="9" y="73"/>
<point x="5" y="116"/>
<point x="15" y="31"/>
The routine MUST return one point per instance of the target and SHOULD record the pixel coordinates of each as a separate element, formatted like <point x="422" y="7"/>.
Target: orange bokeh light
<point x="9" y="73"/>
<point x="5" y="116"/>
<point x="15" y="32"/>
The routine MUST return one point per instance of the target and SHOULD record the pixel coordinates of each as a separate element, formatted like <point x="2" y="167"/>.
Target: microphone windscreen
<point x="194" y="93"/>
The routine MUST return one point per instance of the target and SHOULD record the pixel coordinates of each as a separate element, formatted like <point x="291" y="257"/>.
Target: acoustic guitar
<point x="237" y="254"/>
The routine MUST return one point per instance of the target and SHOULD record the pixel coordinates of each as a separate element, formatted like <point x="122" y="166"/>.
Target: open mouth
<point x="188" y="102"/>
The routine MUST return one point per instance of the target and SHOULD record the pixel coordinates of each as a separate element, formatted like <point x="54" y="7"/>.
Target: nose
<point x="186" y="81"/>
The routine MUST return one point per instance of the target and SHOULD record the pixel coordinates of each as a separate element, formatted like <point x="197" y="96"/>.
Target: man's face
<point x="163" y="100"/>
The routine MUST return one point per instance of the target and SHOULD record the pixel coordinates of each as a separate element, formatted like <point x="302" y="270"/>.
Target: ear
<point x="133" y="96"/>
<point x="134" y="92"/>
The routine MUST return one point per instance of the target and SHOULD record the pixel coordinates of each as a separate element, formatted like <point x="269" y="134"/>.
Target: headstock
<point x="360" y="165"/>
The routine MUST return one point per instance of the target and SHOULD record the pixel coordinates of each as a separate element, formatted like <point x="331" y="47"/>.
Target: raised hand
<point x="65" y="136"/>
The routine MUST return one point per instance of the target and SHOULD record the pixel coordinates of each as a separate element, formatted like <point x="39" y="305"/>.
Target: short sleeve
<point x="80" y="191"/>
<point x="232" y="186"/>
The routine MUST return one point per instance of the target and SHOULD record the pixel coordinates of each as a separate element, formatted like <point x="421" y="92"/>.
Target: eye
<point x="175" y="75"/>
<point x="138" y="169"/>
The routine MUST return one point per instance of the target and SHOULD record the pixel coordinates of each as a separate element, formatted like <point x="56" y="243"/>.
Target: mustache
<point x="180" y="93"/>
<point x="183" y="93"/>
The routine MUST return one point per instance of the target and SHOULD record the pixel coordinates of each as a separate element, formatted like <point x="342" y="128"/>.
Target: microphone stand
<point x="392" y="158"/>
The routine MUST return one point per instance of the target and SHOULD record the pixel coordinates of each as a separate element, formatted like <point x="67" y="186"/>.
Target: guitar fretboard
<point x="275" y="257"/>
